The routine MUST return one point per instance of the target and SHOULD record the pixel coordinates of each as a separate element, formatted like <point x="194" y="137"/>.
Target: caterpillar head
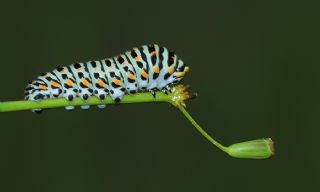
<point x="180" y="72"/>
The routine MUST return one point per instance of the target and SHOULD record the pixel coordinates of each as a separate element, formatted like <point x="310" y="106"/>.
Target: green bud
<point x="255" y="149"/>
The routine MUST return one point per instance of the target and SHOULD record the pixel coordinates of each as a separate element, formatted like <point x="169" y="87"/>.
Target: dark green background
<point x="254" y="64"/>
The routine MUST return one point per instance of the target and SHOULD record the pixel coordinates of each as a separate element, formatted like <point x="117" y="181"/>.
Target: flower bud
<point x="255" y="149"/>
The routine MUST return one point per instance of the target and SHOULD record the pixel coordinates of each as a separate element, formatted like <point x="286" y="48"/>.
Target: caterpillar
<point x="147" y="68"/>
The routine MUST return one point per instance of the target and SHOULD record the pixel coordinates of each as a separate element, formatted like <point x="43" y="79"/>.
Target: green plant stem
<point x="10" y="106"/>
<point x="205" y="134"/>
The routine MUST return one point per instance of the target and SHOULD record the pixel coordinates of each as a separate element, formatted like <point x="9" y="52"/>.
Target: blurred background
<point x="254" y="64"/>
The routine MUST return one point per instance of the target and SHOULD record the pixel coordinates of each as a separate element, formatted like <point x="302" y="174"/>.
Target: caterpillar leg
<point x="153" y="92"/>
<point x="85" y="107"/>
<point x="165" y="90"/>
<point x="37" y="111"/>
<point x="70" y="108"/>
<point x="102" y="106"/>
<point x="169" y="88"/>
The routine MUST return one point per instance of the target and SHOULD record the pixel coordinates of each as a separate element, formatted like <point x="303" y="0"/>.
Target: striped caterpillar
<point x="148" y="68"/>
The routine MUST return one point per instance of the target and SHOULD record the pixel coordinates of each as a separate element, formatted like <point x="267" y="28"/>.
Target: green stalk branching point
<point x="255" y="149"/>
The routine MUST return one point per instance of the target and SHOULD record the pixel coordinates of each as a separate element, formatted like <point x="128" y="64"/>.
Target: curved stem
<point x="205" y="134"/>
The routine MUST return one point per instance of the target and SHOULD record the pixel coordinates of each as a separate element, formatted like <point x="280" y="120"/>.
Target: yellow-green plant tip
<point x="179" y="95"/>
<point x="255" y="149"/>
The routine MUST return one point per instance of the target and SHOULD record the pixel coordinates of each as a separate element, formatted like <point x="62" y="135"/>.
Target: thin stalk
<point x="205" y="134"/>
